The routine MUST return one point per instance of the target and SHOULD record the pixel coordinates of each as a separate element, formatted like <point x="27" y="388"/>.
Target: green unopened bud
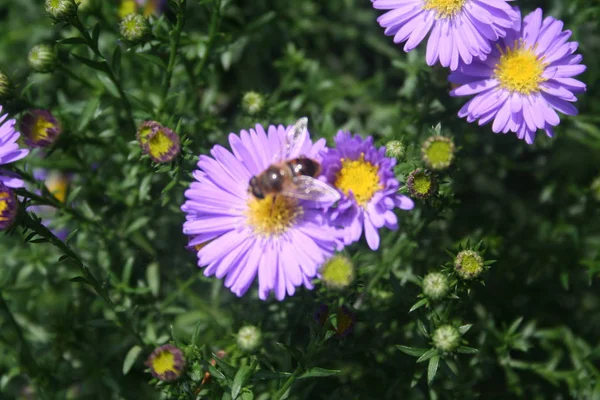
<point x="337" y="272"/>
<point x="249" y="338"/>
<point x="421" y="184"/>
<point x="61" y="10"/>
<point x="438" y="152"/>
<point x="42" y="58"/>
<point x="253" y="103"/>
<point x="135" y="27"/>
<point x="596" y="188"/>
<point x="435" y="286"/>
<point x="83" y="4"/>
<point x="468" y="264"/>
<point x="6" y="89"/>
<point x="446" y="338"/>
<point x="395" y="149"/>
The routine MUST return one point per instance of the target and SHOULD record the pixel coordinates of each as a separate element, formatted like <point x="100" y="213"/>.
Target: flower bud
<point x="435" y="285"/>
<point x="346" y="319"/>
<point x="337" y="272"/>
<point x="249" y="339"/>
<point x="127" y="7"/>
<point x="61" y="10"/>
<point x="42" y="58"/>
<point x="135" y="27"/>
<point x="446" y="338"/>
<point x="159" y="142"/>
<point x="468" y="264"/>
<point x="395" y="149"/>
<point x="421" y="184"/>
<point x="322" y="314"/>
<point x="252" y="103"/>
<point x="166" y="363"/>
<point x="8" y="207"/>
<point x="438" y="152"/>
<point x="6" y="88"/>
<point x="40" y="128"/>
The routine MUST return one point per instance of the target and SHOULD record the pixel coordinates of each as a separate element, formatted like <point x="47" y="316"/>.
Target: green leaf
<point x="467" y="350"/>
<point x="264" y="375"/>
<point x="109" y="85"/>
<point x="464" y="329"/>
<point x="96" y="33"/>
<point x="428" y="354"/>
<point x="72" y="40"/>
<point x="317" y="372"/>
<point x="411" y="351"/>
<point x="228" y="370"/>
<point x="130" y="358"/>
<point x="79" y="279"/>
<point x="98" y="66"/>
<point x="294" y="353"/>
<point x="153" y="278"/>
<point x="215" y="373"/>
<point x="432" y="368"/>
<point x="418" y="304"/>
<point x="239" y="380"/>
<point x="153" y="59"/>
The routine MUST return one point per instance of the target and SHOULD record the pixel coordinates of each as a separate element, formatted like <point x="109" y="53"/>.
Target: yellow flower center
<point x="163" y="362"/>
<point x="40" y="129"/>
<point x="127" y="7"/>
<point x="444" y="8"/>
<point x="520" y="70"/>
<point x="422" y="184"/>
<point x="359" y="176"/>
<point x="272" y="215"/>
<point x="4" y="199"/>
<point x="159" y="144"/>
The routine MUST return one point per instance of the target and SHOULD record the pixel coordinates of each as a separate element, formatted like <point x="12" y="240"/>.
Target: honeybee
<point x="294" y="177"/>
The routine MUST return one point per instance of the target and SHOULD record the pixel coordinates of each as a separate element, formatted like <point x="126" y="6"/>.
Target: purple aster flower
<point x="8" y="207"/>
<point x="159" y="142"/>
<point x="524" y="81"/>
<point x="9" y="151"/>
<point x="460" y="29"/>
<point x="365" y="178"/>
<point x="40" y="128"/>
<point x="278" y="238"/>
<point x="166" y="363"/>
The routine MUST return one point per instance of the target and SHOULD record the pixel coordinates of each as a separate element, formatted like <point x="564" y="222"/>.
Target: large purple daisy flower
<point x="524" y="81"/>
<point x="238" y="236"/>
<point x="9" y="151"/>
<point x="366" y="180"/>
<point x="460" y="29"/>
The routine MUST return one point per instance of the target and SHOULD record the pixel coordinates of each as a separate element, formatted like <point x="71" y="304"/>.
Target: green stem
<point x="288" y="384"/>
<point x="175" y="38"/>
<point x="106" y="69"/>
<point x="212" y="35"/>
<point x="100" y="289"/>
<point x="31" y="365"/>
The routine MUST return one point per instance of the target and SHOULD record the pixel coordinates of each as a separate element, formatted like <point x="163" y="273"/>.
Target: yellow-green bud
<point x="435" y="285"/>
<point x="253" y="103"/>
<point x="42" y="58"/>
<point x="337" y="272"/>
<point x="438" y="152"/>
<point x="61" y="10"/>
<point x="421" y="184"/>
<point x="135" y="27"/>
<point x="446" y="338"/>
<point x="6" y="89"/>
<point x="468" y="264"/>
<point x="395" y="149"/>
<point x="249" y="338"/>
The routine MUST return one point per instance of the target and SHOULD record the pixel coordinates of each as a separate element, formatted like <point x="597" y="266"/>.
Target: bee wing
<point x="308" y="188"/>
<point x="294" y="139"/>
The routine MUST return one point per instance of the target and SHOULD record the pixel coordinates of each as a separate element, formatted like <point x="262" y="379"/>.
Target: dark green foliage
<point x="79" y="316"/>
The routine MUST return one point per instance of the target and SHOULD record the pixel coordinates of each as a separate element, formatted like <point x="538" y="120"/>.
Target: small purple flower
<point x="281" y="240"/>
<point x="9" y="151"/>
<point x="524" y="81"/>
<point x="8" y="207"/>
<point x="159" y="142"/>
<point x="460" y="29"/>
<point x="365" y="178"/>
<point x="40" y="128"/>
<point x="166" y="363"/>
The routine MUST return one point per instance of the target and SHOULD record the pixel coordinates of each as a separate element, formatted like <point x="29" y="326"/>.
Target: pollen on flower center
<point x="272" y="215"/>
<point x="359" y="176"/>
<point x="444" y="8"/>
<point x="164" y="361"/>
<point x="520" y="70"/>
